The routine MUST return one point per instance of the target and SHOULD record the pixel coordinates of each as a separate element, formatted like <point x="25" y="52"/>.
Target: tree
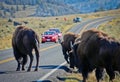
<point x="17" y="8"/>
<point x="1" y="5"/>
<point x="4" y="12"/>
<point x="118" y="6"/>
<point x="24" y="6"/>
<point x="12" y="11"/>
<point x="99" y="9"/>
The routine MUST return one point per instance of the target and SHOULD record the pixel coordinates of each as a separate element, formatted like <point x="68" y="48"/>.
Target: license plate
<point x="48" y="39"/>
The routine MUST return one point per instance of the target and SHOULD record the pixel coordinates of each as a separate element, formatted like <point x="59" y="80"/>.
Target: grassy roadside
<point x="40" y="24"/>
<point x="112" y="28"/>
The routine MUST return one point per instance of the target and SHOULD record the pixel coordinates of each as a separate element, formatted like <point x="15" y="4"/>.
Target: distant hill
<point x="23" y="8"/>
<point x="86" y="6"/>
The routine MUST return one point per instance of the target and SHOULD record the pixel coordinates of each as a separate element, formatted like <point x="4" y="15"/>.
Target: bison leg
<point x="85" y="68"/>
<point x="24" y="61"/>
<point x="71" y="58"/>
<point x="31" y="60"/>
<point x="66" y="58"/>
<point x="64" y="50"/>
<point x="18" y="58"/>
<point x="85" y="73"/>
<point x="37" y="58"/>
<point x="109" y="69"/>
<point x="65" y="55"/>
<point x="18" y="67"/>
<point x="110" y="72"/>
<point x="19" y="61"/>
<point x="99" y="74"/>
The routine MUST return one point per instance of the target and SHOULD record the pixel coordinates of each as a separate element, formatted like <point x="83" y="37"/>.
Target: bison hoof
<point x="28" y="70"/>
<point x="23" y="69"/>
<point x="36" y="70"/>
<point x="68" y="62"/>
<point x="18" y="69"/>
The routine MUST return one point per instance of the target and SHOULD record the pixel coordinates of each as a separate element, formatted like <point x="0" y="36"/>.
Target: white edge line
<point x="102" y="22"/>
<point x="51" y="72"/>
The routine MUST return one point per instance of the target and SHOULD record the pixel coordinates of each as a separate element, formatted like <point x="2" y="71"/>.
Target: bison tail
<point x="37" y="43"/>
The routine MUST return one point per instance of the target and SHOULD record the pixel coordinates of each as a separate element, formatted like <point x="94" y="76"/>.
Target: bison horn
<point x="60" y="41"/>
<point x="71" y="45"/>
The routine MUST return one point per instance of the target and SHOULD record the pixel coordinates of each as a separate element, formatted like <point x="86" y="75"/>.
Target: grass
<point x="77" y="77"/>
<point x="112" y="28"/>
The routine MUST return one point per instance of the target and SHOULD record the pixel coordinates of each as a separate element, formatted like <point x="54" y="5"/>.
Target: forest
<point x="25" y="8"/>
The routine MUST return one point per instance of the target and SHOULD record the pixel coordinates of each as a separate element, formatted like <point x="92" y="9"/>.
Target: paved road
<point x="52" y="64"/>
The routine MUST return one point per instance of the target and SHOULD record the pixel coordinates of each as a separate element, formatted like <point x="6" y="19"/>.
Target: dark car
<point x="77" y="19"/>
<point x="57" y="30"/>
<point x="49" y="36"/>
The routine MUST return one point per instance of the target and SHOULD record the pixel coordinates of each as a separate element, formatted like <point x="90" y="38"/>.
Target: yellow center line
<point x="7" y="60"/>
<point x="12" y="58"/>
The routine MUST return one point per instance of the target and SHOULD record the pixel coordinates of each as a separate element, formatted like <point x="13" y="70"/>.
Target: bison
<point x="96" y="49"/>
<point x="68" y="39"/>
<point x="24" y="40"/>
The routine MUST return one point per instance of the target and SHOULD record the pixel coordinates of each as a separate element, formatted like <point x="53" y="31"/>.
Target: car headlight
<point x="53" y="37"/>
<point x="59" y="34"/>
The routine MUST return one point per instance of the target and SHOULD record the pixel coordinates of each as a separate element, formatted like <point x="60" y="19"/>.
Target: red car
<point x="49" y="36"/>
<point x="57" y="30"/>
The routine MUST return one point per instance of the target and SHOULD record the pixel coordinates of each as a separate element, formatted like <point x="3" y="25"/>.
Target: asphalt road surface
<point x="52" y="64"/>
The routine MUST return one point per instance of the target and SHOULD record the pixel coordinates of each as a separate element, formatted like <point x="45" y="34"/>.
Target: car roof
<point x="49" y="32"/>
<point x="55" y="29"/>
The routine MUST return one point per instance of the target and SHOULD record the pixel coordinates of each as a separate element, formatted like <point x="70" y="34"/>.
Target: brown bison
<point x="97" y="50"/>
<point x="68" y="39"/>
<point x="24" y="40"/>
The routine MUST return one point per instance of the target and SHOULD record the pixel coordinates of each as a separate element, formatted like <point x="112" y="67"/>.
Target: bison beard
<point x="24" y="40"/>
<point x="97" y="50"/>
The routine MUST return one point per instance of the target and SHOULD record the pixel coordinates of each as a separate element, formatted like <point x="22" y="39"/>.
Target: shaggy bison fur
<point x="97" y="50"/>
<point x="68" y="39"/>
<point x="24" y="40"/>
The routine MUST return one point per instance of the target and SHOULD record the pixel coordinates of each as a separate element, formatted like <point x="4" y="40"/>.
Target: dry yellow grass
<point x="112" y="28"/>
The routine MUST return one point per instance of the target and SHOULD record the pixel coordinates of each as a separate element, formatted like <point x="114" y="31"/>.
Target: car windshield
<point x="49" y="33"/>
<point x="56" y="30"/>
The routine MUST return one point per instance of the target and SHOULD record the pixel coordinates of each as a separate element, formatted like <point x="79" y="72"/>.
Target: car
<point x="49" y="36"/>
<point x="77" y="19"/>
<point x="57" y="30"/>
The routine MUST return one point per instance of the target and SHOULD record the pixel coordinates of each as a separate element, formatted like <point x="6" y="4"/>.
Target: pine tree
<point x="24" y="6"/>
<point x="17" y="8"/>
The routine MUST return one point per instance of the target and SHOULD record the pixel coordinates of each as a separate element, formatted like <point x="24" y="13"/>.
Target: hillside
<point x="23" y="8"/>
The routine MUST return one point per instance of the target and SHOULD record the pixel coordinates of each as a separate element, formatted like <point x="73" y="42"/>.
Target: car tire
<point x="56" y="41"/>
<point x="42" y="42"/>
